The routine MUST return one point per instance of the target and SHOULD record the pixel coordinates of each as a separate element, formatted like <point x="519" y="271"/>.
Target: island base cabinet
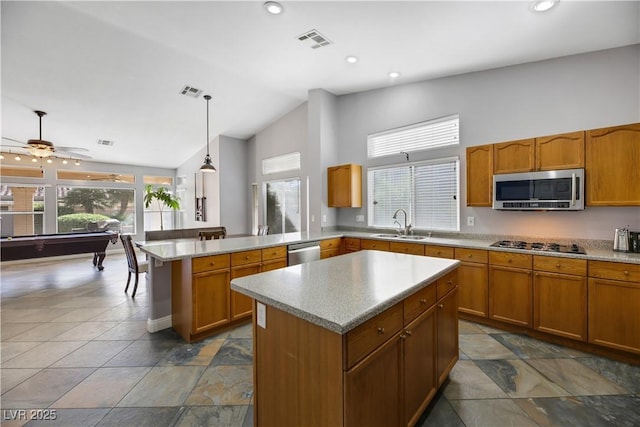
<point x="614" y="319"/>
<point x="241" y="304"/>
<point x="211" y="300"/>
<point x="447" y="335"/>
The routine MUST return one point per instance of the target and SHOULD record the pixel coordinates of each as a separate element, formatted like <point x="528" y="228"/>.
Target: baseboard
<point x="155" y="325"/>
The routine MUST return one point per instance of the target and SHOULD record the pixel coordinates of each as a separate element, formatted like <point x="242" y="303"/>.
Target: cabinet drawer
<point x="407" y="248"/>
<point x="208" y="263"/>
<point x="614" y="271"/>
<point x="245" y="257"/>
<point x="330" y="244"/>
<point x="274" y="253"/>
<point x="372" y="333"/>
<point x="577" y="267"/>
<point x="379" y="245"/>
<point x="438" y="251"/>
<point x="418" y="303"/>
<point x="446" y="283"/>
<point x="352" y="244"/>
<point x="471" y="255"/>
<point x="509" y="259"/>
<point x="328" y="253"/>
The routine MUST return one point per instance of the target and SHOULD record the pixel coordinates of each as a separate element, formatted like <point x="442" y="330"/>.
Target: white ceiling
<point x="113" y="70"/>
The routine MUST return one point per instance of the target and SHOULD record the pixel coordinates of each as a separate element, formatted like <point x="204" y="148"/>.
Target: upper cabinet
<point x="345" y="186"/>
<point x="565" y="151"/>
<point x="480" y="175"/>
<point x="514" y="156"/>
<point x="613" y="166"/>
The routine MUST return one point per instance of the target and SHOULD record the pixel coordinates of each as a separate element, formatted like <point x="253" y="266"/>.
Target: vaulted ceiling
<point x="114" y="70"/>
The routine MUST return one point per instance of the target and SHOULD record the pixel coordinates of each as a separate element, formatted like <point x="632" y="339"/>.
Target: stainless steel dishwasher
<point x="303" y="252"/>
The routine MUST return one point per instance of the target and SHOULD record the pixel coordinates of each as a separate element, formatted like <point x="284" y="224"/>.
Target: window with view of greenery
<point x="21" y="209"/>
<point x="283" y="206"/>
<point x="95" y="209"/>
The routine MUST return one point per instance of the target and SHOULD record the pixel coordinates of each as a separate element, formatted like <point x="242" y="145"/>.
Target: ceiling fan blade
<point x="71" y="149"/>
<point x="73" y="155"/>
<point x="14" y="140"/>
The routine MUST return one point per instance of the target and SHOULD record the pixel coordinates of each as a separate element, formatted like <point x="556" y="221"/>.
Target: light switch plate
<point x="261" y="315"/>
<point x="359" y="218"/>
<point x="471" y="221"/>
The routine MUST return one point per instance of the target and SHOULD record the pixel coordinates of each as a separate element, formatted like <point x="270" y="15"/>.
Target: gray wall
<point x="234" y="186"/>
<point x="561" y="95"/>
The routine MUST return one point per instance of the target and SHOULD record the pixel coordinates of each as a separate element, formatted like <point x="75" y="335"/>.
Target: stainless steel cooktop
<point x="539" y="246"/>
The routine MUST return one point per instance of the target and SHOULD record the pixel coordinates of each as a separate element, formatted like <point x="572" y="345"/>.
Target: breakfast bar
<point x="365" y="338"/>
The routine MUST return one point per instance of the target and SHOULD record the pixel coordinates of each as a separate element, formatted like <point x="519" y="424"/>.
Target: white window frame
<point x="427" y="135"/>
<point x="414" y="200"/>
<point x="282" y="163"/>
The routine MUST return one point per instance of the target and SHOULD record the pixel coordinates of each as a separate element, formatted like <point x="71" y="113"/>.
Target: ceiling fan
<point x="44" y="149"/>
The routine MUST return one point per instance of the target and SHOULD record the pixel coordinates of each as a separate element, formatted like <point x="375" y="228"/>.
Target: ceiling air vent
<point x="190" y="91"/>
<point x="106" y="142"/>
<point x="314" y="39"/>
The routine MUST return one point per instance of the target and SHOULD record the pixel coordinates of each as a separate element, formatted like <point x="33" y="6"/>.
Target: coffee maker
<point x="634" y="241"/>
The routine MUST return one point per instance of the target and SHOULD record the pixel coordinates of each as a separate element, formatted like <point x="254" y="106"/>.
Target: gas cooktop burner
<point x="538" y="246"/>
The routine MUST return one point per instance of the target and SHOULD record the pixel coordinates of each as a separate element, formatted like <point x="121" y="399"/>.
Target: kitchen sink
<point x="399" y="236"/>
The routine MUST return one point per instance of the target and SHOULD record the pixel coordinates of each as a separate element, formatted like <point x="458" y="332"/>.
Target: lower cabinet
<point x="447" y="335"/>
<point x="351" y="244"/>
<point x="241" y="305"/>
<point x="210" y="300"/>
<point x="511" y="288"/>
<point x="330" y="248"/>
<point x="473" y="276"/>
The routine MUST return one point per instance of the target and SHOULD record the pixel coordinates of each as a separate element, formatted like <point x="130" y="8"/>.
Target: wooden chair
<point x="263" y="230"/>
<point x="135" y="267"/>
<point x="216" y="234"/>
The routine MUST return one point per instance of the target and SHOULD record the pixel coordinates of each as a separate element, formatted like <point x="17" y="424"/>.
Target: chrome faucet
<point x="407" y="228"/>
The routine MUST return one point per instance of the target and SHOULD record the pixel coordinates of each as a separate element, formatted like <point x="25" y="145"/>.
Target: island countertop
<point x="340" y="293"/>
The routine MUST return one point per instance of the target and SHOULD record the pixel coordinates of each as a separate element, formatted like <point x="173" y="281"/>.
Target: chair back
<point x="263" y="230"/>
<point x="132" y="261"/>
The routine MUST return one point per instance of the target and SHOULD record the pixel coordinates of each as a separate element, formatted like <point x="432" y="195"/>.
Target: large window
<point x="95" y="208"/>
<point x="283" y="206"/>
<point x="21" y="209"/>
<point x="427" y="191"/>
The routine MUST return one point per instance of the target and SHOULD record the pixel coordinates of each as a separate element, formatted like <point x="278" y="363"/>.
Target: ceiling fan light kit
<point x="207" y="166"/>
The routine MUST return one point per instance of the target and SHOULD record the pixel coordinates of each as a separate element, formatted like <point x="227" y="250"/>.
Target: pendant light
<point x="207" y="166"/>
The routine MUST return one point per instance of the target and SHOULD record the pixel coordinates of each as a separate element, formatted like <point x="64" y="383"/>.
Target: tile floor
<point x="73" y="344"/>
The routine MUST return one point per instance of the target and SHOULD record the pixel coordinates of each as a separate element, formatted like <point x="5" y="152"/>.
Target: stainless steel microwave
<point x="561" y="190"/>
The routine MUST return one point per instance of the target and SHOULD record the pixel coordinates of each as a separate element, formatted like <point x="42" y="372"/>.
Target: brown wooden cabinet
<point x="560" y="296"/>
<point x="406" y="248"/>
<point x="344" y="185"/>
<point x="480" y="175"/>
<point x="243" y="264"/>
<point x="438" y="251"/>
<point x="614" y="305"/>
<point x="447" y="335"/>
<point x="330" y="248"/>
<point x="274" y="258"/>
<point x="612" y="159"/>
<point x="514" y="156"/>
<point x="511" y="288"/>
<point x="473" y="279"/>
<point x="564" y="151"/>
<point x="351" y="244"/>
<point x="370" y="244"/>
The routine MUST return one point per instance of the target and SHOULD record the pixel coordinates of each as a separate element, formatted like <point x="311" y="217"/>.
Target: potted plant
<point x="163" y="197"/>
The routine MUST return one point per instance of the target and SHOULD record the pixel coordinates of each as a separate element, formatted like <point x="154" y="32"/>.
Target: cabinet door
<point x="274" y="264"/>
<point x="480" y="175"/>
<point x="560" y="305"/>
<point x="513" y="156"/>
<point x="373" y="388"/>
<point x="612" y="159"/>
<point x="510" y="295"/>
<point x="210" y="300"/>
<point x="614" y="319"/>
<point x="419" y="363"/>
<point x="344" y="184"/>
<point x="446" y="335"/>
<point x="473" y="289"/>
<point x="564" y="151"/>
<point x="241" y="305"/>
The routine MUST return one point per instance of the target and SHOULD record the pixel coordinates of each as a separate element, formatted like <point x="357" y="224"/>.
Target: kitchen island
<point x="365" y="338"/>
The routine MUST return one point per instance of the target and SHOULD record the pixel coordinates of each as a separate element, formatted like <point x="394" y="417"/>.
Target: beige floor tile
<point x="125" y="331"/>
<point x="44" y="354"/>
<point x="80" y="314"/>
<point x="44" y="388"/>
<point x="478" y="346"/>
<point x="9" y="350"/>
<point x="492" y="413"/>
<point x="518" y="379"/>
<point x="10" y="378"/>
<point x="163" y="386"/>
<point x="10" y="330"/>
<point x="467" y="381"/>
<point x="92" y="355"/>
<point x="575" y="377"/>
<point x="103" y="388"/>
<point x="465" y="327"/>
<point x="223" y="385"/>
<point x="86" y="331"/>
<point x="46" y="331"/>
<point x="198" y="354"/>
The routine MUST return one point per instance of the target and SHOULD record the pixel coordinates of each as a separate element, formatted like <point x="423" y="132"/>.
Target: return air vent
<point x="190" y="91"/>
<point x="314" y="39"/>
<point x="106" y="142"/>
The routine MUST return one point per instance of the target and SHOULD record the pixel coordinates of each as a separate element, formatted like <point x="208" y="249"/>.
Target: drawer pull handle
<point x="449" y="282"/>
<point x="626" y="273"/>
<point x="438" y="253"/>
<point x="558" y="265"/>
<point x="381" y="330"/>
<point x="440" y="306"/>
<point x="408" y="332"/>
<point x="423" y="301"/>
<point x="212" y="263"/>
<point x="509" y="260"/>
<point x="469" y="256"/>
<point x="403" y="336"/>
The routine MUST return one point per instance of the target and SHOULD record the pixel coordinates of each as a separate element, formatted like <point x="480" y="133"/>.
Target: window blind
<point x="420" y="136"/>
<point x="428" y="192"/>
<point x="281" y="163"/>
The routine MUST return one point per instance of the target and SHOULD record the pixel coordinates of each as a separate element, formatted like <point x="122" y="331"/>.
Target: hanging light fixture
<point x="207" y="166"/>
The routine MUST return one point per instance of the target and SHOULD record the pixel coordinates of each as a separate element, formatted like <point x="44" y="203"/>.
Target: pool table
<point x="48" y="245"/>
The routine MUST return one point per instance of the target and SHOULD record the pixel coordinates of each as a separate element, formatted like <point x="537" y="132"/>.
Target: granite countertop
<point x="170" y="250"/>
<point x="341" y="293"/>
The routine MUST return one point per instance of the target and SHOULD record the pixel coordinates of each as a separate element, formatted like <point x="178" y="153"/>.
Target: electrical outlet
<point x="359" y="218"/>
<point x="471" y="221"/>
<point x="313" y="218"/>
<point x="324" y="218"/>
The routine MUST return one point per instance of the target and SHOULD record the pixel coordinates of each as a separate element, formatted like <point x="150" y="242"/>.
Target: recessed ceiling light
<point x="394" y="74"/>
<point x="542" y="5"/>
<point x="351" y="59"/>
<point x="273" y="7"/>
